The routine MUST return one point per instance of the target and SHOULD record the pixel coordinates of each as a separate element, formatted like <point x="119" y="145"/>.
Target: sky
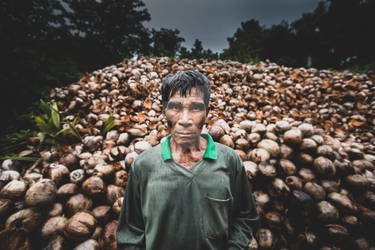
<point x="213" y="21"/>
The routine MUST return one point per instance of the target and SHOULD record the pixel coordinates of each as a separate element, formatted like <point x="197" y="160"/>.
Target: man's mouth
<point x="184" y="134"/>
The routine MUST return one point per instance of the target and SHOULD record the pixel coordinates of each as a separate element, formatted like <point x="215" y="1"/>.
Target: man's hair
<point x="182" y="82"/>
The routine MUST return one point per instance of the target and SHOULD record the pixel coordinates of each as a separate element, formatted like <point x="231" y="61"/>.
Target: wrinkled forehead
<point x="193" y="93"/>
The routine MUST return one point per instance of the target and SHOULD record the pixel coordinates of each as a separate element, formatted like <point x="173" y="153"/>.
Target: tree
<point x="197" y="52"/>
<point x="279" y="45"/>
<point x="197" y="49"/>
<point x="50" y="43"/>
<point x="113" y="29"/>
<point x="313" y="38"/>
<point x="337" y="33"/>
<point x="246" y="43"/>
<point x="166" y="42"/>
<point x="27" y="31"/>
<point x="184" y="53"/>
<point x="208" y="54"/>
<point x="348" y="24"/>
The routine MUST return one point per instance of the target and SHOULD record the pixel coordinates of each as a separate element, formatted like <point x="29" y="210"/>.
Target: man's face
<point x="186" y="117"/>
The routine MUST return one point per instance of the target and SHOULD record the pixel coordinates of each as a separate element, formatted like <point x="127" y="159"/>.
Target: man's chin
<point x="185" y="142"/>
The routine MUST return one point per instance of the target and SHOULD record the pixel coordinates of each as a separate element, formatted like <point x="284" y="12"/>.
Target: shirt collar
<point x="210" y="152"/>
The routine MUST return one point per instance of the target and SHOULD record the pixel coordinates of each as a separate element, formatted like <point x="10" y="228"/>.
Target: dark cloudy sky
<point x="212" y="21"/>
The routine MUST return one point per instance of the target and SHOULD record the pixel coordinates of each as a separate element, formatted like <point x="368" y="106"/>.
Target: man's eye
<point x="197" y="107"/>
<point x="174" y="106"/>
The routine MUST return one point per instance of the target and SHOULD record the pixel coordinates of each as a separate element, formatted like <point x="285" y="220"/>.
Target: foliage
<point x="51" y="128"/>
<point x="362" y="69"/>
<point x="114" y="28"/>
<point x="197" y="48"/>
<point x="165" y="42"/>
<point x="19" y="158"/>
<point x="197" y="52"/>
<point x="184" y="53"/>
<point x="51" y="43"/>
<point x="337" y="34"/>
<point x="246" y="43"/>
<point x="16" y="141"/>
<point x="279" y="45"/>
<point x="108" y="124"/>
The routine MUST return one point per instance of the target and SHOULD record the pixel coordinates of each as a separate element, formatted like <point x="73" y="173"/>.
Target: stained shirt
<point x="168" y="206"/>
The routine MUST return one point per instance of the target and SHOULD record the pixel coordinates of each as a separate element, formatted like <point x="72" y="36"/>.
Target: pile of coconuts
<point x="306" y="138"/>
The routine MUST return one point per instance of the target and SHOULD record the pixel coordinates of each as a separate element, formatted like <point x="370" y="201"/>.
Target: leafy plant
<point x="51" y="128"/>
<point x="16" y="142"/>
<point x="108" y="124"/>
<point x="20" y="158"/>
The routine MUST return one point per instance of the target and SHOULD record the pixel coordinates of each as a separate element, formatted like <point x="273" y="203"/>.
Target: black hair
<point x="182" y="82"/>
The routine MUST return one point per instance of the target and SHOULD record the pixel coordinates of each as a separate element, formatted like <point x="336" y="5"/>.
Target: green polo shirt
<point x="168" y="206"/>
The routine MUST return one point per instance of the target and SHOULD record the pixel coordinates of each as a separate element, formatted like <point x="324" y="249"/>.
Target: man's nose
<point x="185" y="119"/>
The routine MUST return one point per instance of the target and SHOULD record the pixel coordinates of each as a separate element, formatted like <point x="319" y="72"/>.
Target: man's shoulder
<point x="145" y="162"/>
<point x="223" y="150"/>
<point x="149" y="156"/>
<point x="229" y="157"/>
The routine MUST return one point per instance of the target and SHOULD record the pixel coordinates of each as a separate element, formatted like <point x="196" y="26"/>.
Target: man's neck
<point x="188" y="155"/>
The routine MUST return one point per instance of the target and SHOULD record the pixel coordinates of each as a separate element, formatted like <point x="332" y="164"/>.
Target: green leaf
<point x="59" y="103"/>
<point x="75" y="120"/>
<point x="41" y="124"/>
<point x="55" y="118"/>
<point x="21" y="135"/>
<point x="19" y="158"/>
<point x="15" y="145"/>
<point x="74" y="131"/>
<point x="63" y="131"/>
<point x="16" y="141"/>
<point x="108" y="124"/>
<point x="54" y="107"/>
<point x="6" y="148"/>
<point x="109" y="127"/>
<point x="109" y="120"/>
<point x="51" y="125"/>
<point x="45" y="107"/>
<point x="52" y="141"/>
<point x="41" y="137"/>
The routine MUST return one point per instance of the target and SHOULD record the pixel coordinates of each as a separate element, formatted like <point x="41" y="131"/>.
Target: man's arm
<point x="130" y="230"/>
<point x="244" y="211"/>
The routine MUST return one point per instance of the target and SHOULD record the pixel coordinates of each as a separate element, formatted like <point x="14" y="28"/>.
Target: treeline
<point x="50" y="43"/>
<point x="338" y="34"/>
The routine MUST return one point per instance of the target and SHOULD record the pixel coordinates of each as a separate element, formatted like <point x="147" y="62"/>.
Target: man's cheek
<point x="169" y="121"/>
<point x="201" y="123"/>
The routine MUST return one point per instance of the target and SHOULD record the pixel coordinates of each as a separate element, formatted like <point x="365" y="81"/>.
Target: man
<point x="187" y="193"/>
